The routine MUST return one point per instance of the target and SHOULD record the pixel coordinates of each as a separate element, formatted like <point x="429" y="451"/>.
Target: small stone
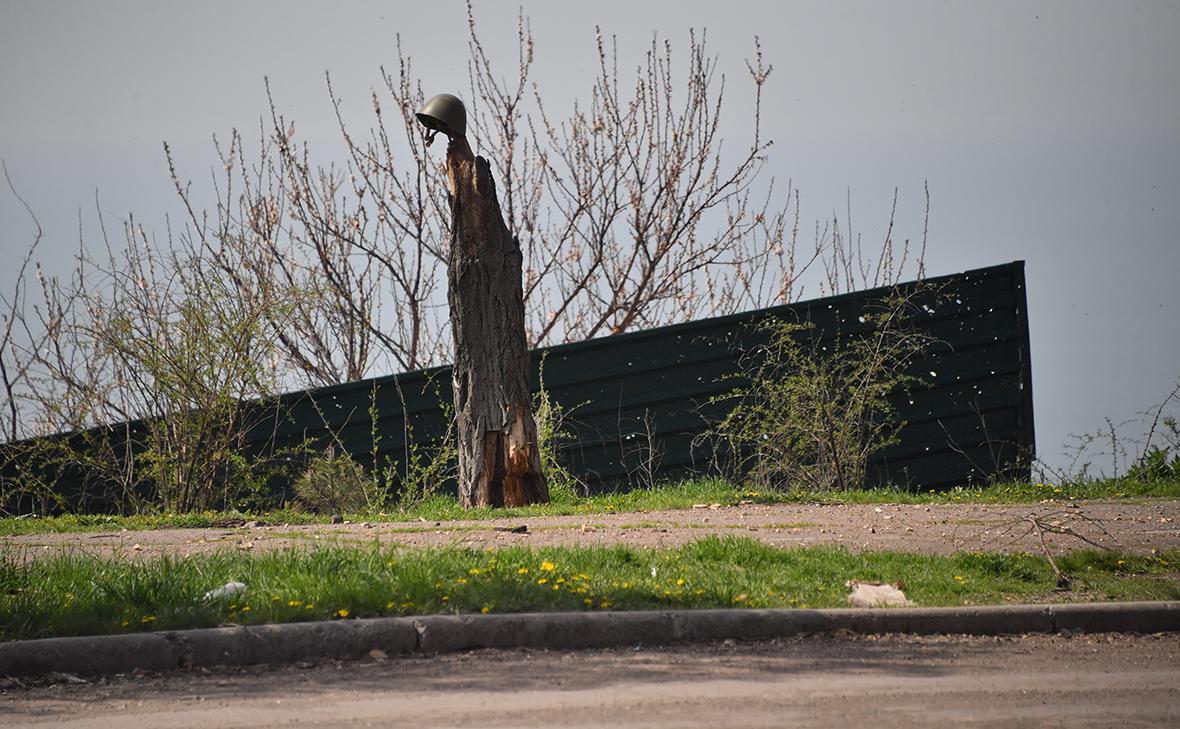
<point x="377" y="654"/>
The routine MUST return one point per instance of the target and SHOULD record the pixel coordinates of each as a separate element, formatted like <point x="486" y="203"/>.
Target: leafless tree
<point x="627" y="212"/>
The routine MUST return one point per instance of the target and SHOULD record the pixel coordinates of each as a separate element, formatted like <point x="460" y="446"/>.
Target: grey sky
<point x="1048" y="131"/>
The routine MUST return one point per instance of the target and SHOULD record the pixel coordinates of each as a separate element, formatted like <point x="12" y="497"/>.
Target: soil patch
<point x="1137" y="527"/>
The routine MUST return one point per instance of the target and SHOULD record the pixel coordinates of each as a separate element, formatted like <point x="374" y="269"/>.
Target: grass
<point x="77" y="594"/>
<point x="680" y="495"/>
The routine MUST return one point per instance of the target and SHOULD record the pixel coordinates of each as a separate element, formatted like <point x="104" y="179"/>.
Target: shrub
<point x="816" y="404"/>
<point x="334" y="484"/>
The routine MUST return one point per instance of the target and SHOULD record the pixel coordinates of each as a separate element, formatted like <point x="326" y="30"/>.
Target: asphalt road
<point x="853" y="682"/>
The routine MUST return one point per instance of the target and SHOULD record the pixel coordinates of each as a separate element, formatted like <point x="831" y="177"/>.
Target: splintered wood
<point x="499" y="462"/>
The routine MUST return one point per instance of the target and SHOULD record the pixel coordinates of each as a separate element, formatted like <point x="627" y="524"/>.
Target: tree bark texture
<point x="499" y="461"/>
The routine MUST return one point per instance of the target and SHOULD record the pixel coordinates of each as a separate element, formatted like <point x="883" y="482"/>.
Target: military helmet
<point x="444" y="113"/>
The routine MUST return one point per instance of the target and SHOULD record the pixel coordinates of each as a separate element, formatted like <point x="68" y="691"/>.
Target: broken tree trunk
<point x="499" y="461"/>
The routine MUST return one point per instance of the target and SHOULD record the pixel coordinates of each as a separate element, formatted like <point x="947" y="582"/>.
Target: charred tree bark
<point x="499" y="461"/>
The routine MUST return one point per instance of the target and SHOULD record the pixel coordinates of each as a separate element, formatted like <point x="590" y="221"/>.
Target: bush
<point x="816" y="406"/>
<point x="334" y="484"/>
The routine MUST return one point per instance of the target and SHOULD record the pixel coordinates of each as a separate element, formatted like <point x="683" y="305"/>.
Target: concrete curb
<point x="431" y="634"/>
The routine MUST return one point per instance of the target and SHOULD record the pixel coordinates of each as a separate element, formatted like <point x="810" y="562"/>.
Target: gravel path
<point x="932" y="529"/>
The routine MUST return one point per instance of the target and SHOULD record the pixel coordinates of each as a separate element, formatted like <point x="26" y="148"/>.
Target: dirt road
<point x="890" y="681"/>
<point x="934" y="529"/>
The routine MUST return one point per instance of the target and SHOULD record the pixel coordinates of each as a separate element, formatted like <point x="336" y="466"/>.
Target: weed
<point x="552" y="432"/>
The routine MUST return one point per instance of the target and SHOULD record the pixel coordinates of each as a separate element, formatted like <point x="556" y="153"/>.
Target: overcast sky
<point x="1048" y="131"/>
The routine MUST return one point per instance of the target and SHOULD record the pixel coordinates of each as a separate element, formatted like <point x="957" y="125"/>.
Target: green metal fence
<point x="632" y="395"/>
<point x="639" y="402"/>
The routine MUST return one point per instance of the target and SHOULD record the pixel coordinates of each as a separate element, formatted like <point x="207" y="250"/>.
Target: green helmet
<point x="444" y="113"/>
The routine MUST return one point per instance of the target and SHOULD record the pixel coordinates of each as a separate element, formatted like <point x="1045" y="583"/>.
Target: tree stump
<point x="499" y="461"/>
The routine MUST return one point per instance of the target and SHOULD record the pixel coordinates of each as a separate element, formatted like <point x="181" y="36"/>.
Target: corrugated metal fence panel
<point x="633" y="395"/>
<point x="630" y="395"/>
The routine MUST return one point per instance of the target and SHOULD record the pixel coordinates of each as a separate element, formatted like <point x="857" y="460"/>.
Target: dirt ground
<point x="872" y="682"/>
<point x="934" y="529"/>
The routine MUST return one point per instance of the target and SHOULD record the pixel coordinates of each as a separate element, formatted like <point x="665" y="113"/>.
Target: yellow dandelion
<point x="740" y="598"/>
<point x="462" y="580"/>
<point x="485" y="609"/>
<point x="294" y="603"/>
<point x="473" y="571"/>
<point x="548" y="566"/>
<point x="342" y="613"/>
<point x="147" y="619"/>
<point x="388" y="605"/>
<point x="680" y="581"/>
<point x="275" y="598"/>
<point x="311" y="606"/>
<point x="245" y="608"/>
<point x="542" y="581"/>
<point x="522" y="571"/>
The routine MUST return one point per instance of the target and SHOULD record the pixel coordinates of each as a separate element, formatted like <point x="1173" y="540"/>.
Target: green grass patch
<point x="681" y="495"/>
<point x="13" y="526"/>
<point x="78" y="594"/>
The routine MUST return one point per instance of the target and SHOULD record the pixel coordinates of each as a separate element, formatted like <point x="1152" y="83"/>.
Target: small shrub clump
<point x="334" y="484"/>
<point x="817" y="404"/>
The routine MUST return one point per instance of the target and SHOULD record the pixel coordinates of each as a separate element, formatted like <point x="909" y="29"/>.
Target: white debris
<point x="229" y="589"/>
<point x="870" y="594"/>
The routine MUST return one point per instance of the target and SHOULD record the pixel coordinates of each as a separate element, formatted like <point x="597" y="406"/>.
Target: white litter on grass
<point x="870" y="594"/>
<point x="229" y="589"/>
